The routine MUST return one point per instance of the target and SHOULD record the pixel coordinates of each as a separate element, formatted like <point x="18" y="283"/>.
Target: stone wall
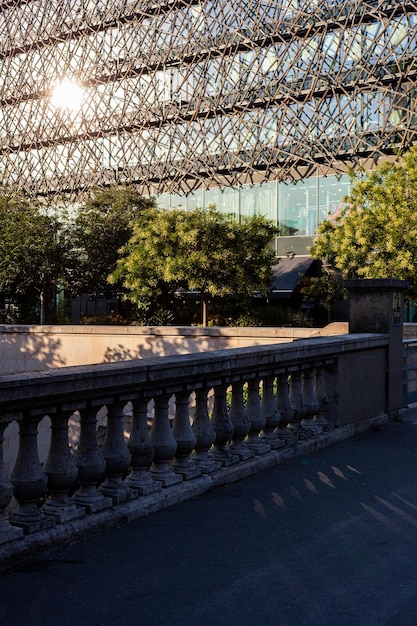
<point x="38" y="348"/>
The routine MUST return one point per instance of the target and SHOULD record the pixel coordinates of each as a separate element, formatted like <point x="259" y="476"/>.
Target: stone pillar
<point x="205" y="434"/>
<point x="256" y="418"/>
<point x="29" y="480"/>
<point x="164" y="444"/>
<point x="271" y="414"/>
<point x="310" y="403"/>
<point x="184" y="436"/>
<point x="376" y="306"/>
<point x="91" y="465"/>
<point x="61" y="471"/>
<point x="296" y="400"/>
<point x="7" y="531"/>
<point x="141" y="449"/>
<point x="240" y="421"/>
<point x="285" y="408"/>
<point x="117" y="456"/>
<point x="322" y="399"/>
<point x="223" y="427"/>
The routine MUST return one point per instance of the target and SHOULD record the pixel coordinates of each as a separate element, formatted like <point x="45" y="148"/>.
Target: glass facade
<point x="297" y="207"/>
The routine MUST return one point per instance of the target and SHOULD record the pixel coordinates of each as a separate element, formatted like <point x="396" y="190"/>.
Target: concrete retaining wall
<point x="38" y="348"/>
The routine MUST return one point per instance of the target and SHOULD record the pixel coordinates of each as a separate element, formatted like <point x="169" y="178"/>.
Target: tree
<point x="376" y="234"/>
<point x="201" y="250"/>
<point x="101" y="228"/>
<point x="33" y="249"/>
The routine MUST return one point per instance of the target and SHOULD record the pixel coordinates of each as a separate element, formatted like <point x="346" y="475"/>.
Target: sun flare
<point x="67" y="95"/>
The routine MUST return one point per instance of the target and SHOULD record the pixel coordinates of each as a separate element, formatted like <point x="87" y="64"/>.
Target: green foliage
<point x="33" y="250"/>
<point x="324" y="289"/>
<point x="247" y="319"/>
<point x="104" y="319"/>
<point x="101" y="228"/>
<point x="203" y="250"/>
<point x="376" y="235"/>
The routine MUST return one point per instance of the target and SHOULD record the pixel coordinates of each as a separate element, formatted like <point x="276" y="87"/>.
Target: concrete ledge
<point x="70" y="532"/>
<point x="39" y="348"/>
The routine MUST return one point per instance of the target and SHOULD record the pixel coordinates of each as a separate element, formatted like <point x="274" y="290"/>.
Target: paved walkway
<point x="328" y="539"/>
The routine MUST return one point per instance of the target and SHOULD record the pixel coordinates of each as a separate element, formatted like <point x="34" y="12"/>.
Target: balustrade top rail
<point x="41" y="391"/>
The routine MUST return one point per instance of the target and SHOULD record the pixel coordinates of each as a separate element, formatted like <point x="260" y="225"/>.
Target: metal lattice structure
<point x="177" y="94"/>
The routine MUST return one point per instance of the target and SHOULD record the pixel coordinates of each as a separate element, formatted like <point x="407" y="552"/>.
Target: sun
<point x="67" y="95"/>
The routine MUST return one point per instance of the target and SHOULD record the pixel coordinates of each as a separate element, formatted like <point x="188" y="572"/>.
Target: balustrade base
<point x="273" y="440"/>
<point x="300" y="433"/>
<point x="143" y="484"/>
<point x="325" y="425"/>
<point x="258" y="446"/>
<point x="206" y="465"/>
<point x="121" y="495"/>
<point x="243" y="452"/>
<point x="29" y="526"/>
<point x="64" y="513"/>
<point x="9" y="533"/>
<point x="287" y="436"/>
<point x="305" y="432"/>
<point x="225" y="457"/>
<point x="313" y="426"/>
<point x="166" y="478"/>
<point x="93" y="504"/>
<point x="187" y="470"/>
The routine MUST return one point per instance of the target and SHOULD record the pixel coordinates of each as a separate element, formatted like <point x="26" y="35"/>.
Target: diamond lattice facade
<point x="179" y="96"/>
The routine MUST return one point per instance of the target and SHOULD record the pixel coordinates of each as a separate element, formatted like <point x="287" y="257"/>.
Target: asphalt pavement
<point x="323" y="540"/>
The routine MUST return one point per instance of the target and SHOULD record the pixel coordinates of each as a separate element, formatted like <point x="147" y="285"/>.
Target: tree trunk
<point x="42" y="307"/>
<point x="204" y="300"/>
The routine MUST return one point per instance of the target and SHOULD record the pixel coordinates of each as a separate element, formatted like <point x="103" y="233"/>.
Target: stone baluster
<point x="310" y="404"/>
<point x="141" y="449"/>
<point x="256" y="418"/>
<point x="271" y="414"/>
<point x="7" y="531"/>
<point x="296" y="399"/>
<point x="223" y="428"/>
<point x="240" y="421"/>
<point x="61" y="471"/>
<point x="205" y="434"/>
<point x="164" y="444"/>
<point x="322" y="399"/>
<point x="184" y="437"/>
<point x="91" y="465"/>
<point x="285" y="408"/>
<point x="29" y="480"/>
<point x="117" y="456"/>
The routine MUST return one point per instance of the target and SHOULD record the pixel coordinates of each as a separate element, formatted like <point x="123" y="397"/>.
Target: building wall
<point x="194" y="97"/>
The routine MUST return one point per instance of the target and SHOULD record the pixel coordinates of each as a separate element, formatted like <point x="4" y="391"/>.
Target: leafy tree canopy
<point x="202" y="249"/>
<point x="101" y="228"/>
<point x="33" y="248"/>
<point x="376" y="234"/>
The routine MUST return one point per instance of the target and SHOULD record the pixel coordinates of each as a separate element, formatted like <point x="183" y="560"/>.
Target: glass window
<point x="195" y="200"/>
<point x="225" y="200"/>
<point x="332" y="191"/>
<point x="398" y="35"/>
<point x="259" y="200"/>
<point x="297" y="207"/>
<point x="372" y="111"/>
<point x="178" y="201"/>
<point x="352" y="52"/>
<point x="163" y="201"/>
<point x="331" y="52"/>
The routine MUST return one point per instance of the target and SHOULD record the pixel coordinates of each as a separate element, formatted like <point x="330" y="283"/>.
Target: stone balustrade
<point x="217" y="417"/>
